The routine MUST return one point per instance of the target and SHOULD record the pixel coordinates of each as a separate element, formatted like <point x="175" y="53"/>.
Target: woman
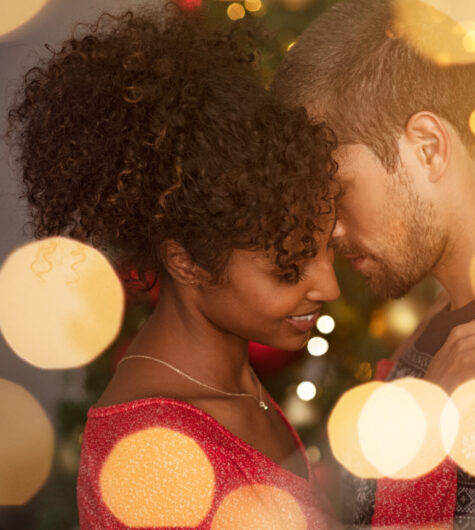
<point x="150" y="136"/>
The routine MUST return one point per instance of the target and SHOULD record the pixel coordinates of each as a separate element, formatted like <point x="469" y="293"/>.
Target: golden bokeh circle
<point x="235" y="11"/>
<point x="158" y="477"/>
<point x="389" y="429"/>
<point x="343" y="430"/>
<point x="471" y="124"/>
<point x="61" y="303"/>
<point x="259" y="506"/>
<point x="15" y="14"/>
<point x="463" y="448"/>
<point x="437" y="31"/>
<point x="402" y="432"/>
<point x="26" y="444"/>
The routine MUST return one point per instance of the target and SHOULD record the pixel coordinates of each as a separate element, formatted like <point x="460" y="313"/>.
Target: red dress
<point x="162" y="463"/>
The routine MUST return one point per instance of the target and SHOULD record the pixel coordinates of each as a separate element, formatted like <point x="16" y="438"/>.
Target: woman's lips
<point x="304" y="322"/>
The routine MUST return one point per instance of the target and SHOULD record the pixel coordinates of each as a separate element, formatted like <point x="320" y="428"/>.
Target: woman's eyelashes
<point x="293" y="276"/>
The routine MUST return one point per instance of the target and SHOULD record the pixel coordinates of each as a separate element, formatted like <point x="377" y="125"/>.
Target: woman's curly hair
<point x="150" y="126"/>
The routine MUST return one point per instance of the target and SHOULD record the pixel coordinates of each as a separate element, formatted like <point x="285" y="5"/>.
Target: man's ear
<point x="428" y="135"/>
<point x="178" y="263"/>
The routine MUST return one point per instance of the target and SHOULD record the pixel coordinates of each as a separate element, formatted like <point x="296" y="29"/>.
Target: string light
<point x="236" y="11"/>
<point x="317" y="346"/>
<point x="313" y="453"/>
<point x="306" y="390"/>
<point x="325" y="324"/>
<point x="253" y="5"/>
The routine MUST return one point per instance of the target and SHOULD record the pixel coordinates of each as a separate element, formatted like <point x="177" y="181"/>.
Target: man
<point x="396" y="82"/>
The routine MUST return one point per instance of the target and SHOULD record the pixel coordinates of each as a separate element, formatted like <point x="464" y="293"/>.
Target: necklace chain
<point x="259" y="400"/>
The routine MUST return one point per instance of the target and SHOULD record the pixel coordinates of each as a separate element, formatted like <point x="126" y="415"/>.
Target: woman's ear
<point x="178" y="263"/>
<point x="428" y="135"/>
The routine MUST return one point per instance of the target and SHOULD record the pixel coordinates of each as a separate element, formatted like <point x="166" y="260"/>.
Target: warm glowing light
<point x="253" y="5"/>
<point x="394" y="416"/>
<point x="378" y="325"/>
<point x="26" y="445"/>
<point x="398" y="428"/>
<point x="15" y="14"/>
<point x="306" y="390"/>
<point x="259" y="506"/>
<point x="471" y="122"/>
<point x="313" y="454"/>
<point x="158" y="477"/>
<point x="66" y="295"/>
<point x="325" y="324"/>
<point x="290" y="45"/>
<point x="402" y="317"/>
<point x="440" y="30"/>
<point x="317" y="346"/>
<point x="236" y="11"/>
<point x="343" y="431"/>
<point x="407" y="441"/>
<point x="463" y="448"/>
<point x="364" y="372"/>
<point x="469" y="41"/>
<point x="300" y="413"/>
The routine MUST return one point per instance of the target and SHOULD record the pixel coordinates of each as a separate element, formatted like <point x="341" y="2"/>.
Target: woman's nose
<point x="324" y="286"/>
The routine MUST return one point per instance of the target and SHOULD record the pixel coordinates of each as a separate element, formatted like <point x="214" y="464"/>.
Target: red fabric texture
<point x="425" y="502"/>
<point x="234" y="462"/>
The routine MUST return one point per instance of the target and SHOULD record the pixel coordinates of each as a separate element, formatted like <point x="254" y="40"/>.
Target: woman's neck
<point x="178" y="333"/>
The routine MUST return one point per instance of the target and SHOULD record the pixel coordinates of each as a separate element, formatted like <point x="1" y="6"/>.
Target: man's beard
<point x="412" y="254"/>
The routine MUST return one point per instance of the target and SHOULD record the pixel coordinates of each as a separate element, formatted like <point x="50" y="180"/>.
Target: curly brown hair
<point x="152" y="126"/>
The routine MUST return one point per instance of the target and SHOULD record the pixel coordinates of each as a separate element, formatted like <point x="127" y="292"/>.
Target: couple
<point x="155" y="139"/>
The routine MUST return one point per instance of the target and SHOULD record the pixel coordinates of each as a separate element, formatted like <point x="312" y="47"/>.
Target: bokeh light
<point x="313" y="454"/>
<point x="306" y="390"/>
<point x="463" y="448"/>
<point x="317" y="346"/>
<point x="391" y="428"/>
<point x="469" y="41"/>
<point x="471" y="122"/>
<point x="325" y="324"/>
<point x="402" y="317"/>
<point x="343" y="430"/>
<point x="15" y="14"/>
<point x="253" y="5"/>
<point x="236" y="11"/>
<point x="67" y="296"/>
<point x="158" y="477"/>
<point x="364" y="372"/>
<point x="259" y="506"/>
<point x="397" y="426"/>
<point x="26" y="444"/>
<point x="440" y="30"/>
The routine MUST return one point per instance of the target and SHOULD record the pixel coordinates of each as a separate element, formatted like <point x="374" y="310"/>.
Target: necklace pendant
<point x="263" y="405"/>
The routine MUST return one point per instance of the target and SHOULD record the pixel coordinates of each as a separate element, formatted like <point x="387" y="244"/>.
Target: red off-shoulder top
<point x="162" y="463"/>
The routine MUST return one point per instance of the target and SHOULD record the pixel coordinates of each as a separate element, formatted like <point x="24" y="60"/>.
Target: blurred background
<point x="354" y="333"/>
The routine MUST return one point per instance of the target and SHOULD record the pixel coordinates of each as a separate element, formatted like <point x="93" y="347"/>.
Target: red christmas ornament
<point x="266" y="360"/>
<point x="190" y="5"/>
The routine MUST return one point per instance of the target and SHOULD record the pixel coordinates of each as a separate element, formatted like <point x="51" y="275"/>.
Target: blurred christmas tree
<point x="358" y="329"/>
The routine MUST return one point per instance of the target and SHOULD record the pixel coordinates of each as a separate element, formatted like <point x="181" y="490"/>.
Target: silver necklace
<point x="259" y="400"/>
